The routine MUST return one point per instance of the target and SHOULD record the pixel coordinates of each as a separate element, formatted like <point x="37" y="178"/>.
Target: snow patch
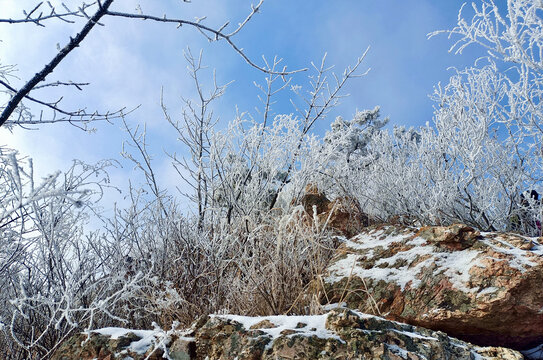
<point x="488" y="290"/>
<point x="418" y="241"/>
<point x="455" y="266"/>
<point x="415" y="335"/>
<point x="368" y="316"/>
<point x="396" y="350"/>
<point x="346" y="267"/>
<point x="334" y="306"/>
<point x="409" y="256"/>
<point x="314" y="325"/>
<point x="519" y="258"/>
<point x="115" y="332"/>
<point x="372" y="240"/>
<point x="147" y="337"/>
<point x="458" y="265"/>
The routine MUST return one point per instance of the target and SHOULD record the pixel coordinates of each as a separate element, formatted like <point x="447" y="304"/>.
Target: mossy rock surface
<point x="341" y="334"/>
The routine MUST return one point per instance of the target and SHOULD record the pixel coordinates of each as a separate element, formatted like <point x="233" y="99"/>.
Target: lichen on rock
<point x="339" y="334"/>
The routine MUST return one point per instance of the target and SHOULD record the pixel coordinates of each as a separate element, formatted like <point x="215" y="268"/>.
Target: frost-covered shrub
<point x="502" y="93"/>
<point x="246" y="249"/>
<point x="432" y="177"/>
<point x="54" y="277"/>
<point x="255" y="163"/>
<point x="484" y="148"/>
<point x="243" y="267"/>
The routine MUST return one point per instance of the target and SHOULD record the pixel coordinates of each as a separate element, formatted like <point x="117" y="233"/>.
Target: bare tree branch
<point x="53" y="15"/>
<point x="76" y="116"/>
<point x="37" y="17"/>
<point x="218" y="34"/>
<point x="48" y="69"/>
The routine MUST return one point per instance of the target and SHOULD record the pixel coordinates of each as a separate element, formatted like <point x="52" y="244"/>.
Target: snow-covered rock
<point x="486" y="288"/>
<point x="119" y="343"/>
<point x="339" y="334"/>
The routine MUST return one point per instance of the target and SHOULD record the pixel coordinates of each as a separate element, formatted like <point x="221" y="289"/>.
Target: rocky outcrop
<point x="118" y="343"/>
<point x="485" y="288"/>
<point x="135" y="344"/>
<point x="341" y="215"/>
<point x="340" y="334"/>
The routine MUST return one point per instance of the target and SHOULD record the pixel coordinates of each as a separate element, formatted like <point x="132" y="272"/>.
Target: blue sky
<point x="129" y="62"/>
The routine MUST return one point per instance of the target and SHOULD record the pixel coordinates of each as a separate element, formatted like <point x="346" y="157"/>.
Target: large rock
<point x="339" y="334"/>
<point x="341" y="215"/>
<point x="118" y="343"/>
<point x="483" y="288"/>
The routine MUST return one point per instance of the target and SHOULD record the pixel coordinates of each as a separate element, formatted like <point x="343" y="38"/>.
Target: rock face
<point x="340" y="334"/>
<point x="102" y="346"/>
<point x="341" y="215"/>
<point x="483" y="288"/>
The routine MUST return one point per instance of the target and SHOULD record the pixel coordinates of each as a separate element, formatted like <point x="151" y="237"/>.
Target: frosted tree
<point x="484" y="148"/>
<point x="55" y="277"/>
<point x="195" y="131"/>
<point x="353" y="137"/>
<point x="502" y="91"/>
<point x="511" y="83"/>
<point x="345" y="152"/>
<point x="240" y="172"/>
<point x="274" y="155"/>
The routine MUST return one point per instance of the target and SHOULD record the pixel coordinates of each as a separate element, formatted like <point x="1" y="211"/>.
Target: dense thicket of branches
<point x="247" y="247"/>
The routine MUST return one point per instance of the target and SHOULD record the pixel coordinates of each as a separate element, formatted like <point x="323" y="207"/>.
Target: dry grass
<point x="247" y="269"/>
